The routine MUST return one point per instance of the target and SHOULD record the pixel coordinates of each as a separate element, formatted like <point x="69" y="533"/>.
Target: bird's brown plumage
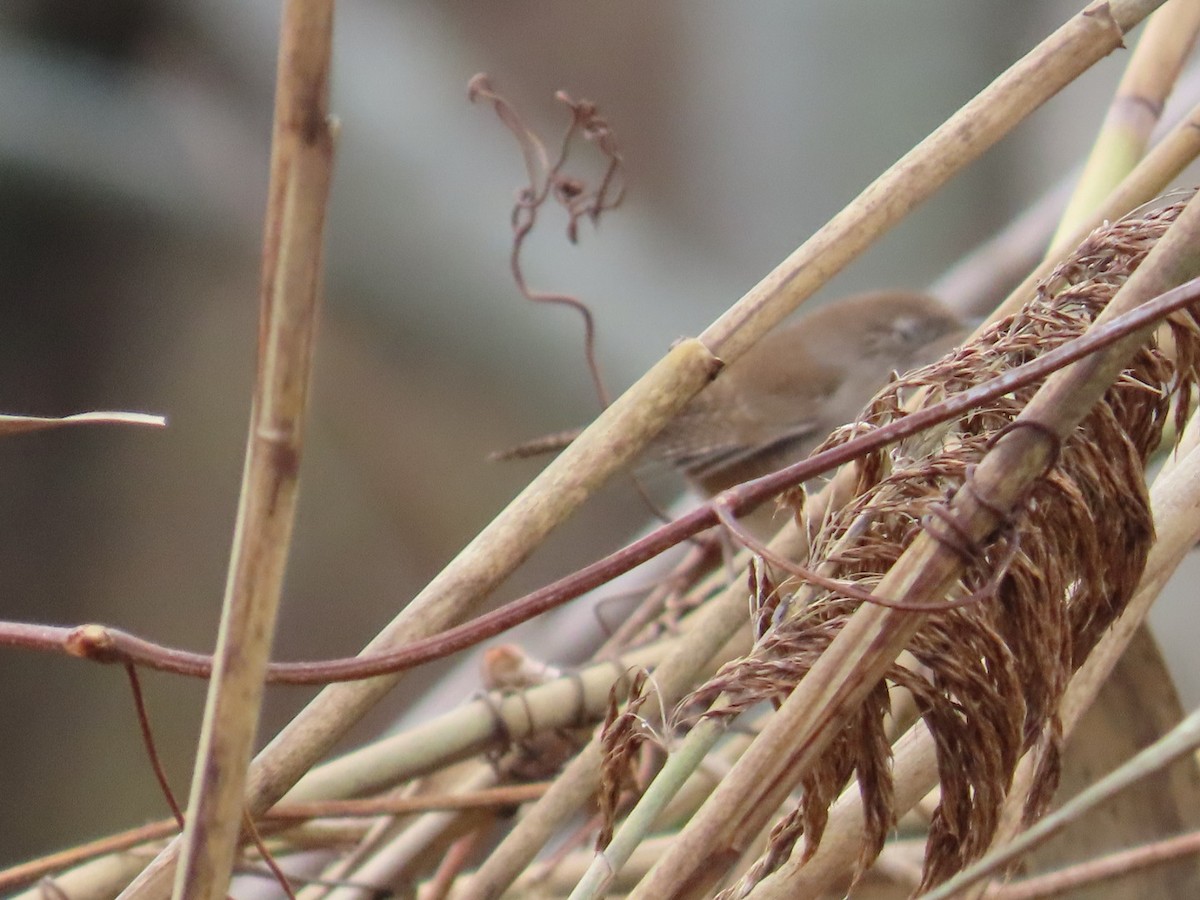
<point x="774" y="404"/>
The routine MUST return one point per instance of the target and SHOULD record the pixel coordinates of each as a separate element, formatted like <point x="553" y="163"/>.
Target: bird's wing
<point x="786" y="445"/>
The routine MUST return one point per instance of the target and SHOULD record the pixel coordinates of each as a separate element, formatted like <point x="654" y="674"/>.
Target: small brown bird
<point x="778" y="401"/>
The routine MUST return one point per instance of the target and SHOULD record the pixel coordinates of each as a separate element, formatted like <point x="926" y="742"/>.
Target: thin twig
<point x="1184" y="738"/>
<point x="743" y="536"/>
<point x="1104" y="868"/>
<point x="143" y="717"/>
<point x="102" y="644"/>
<point x="546" y="181"/>
<point x="268" y="860"/>
<point x="21" y="424"/>
<point x="483" y="798"/>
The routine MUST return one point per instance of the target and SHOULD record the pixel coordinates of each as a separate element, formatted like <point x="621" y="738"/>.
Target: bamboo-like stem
<point x="560" y="875"/>
<point x="1153" y="68"/>
<point x="972" y="285"/>
<point x="1181" y="740"/>
<point x="915" y="177"/>
<point x="389" y="861"/>
<point x="571" y="869"/>
<point x="713" y="626"/>
<point x="21" y="424"/>
<point x="106" y="857"/>
<point x="1174" y="499"/>
<point x="470" y="729"/>
<point x="873" y="637"/>
<point x="1105" y="868"/>
<point x="1178" y="148"/>
<point x="683" y="761"/>
<point x="99" y="879"/>
<point x="301" y="170"/>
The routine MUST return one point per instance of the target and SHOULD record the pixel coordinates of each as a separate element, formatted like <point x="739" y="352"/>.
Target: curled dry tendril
<point x="546" y="180"/>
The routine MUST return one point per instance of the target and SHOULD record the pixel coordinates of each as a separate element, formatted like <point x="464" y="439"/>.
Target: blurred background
<point x="133" y="160"/>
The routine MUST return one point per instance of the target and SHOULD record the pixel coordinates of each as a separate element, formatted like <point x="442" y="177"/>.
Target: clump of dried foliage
<point x="986" y="676"/>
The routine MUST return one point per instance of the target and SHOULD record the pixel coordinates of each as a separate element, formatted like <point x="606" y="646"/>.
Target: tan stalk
<point x="301" y="168"/>
<point x="99" y="879"/>
<point x="388" y="863"/>
<point x="874" y="637"/>
<point x="1153" y="68"/>
<point x="1149" y="178"/>
<point x="560" y="875"/>
<point x="573" y="868"/>
<point x="1180" y="741"/>
<point x="972" y="284"/>
<point x="469" y="730"/>
<point x="915" y="177"/>
<point x="21" y="424"/>
<point x="713" y="627"/>
<point x="1123" y="864"/>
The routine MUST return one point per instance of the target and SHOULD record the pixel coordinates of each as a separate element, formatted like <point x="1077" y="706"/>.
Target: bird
<point x="774" y="404"/>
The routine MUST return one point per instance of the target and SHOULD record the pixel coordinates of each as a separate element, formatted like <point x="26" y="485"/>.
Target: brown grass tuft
<point x="986" y="676"/>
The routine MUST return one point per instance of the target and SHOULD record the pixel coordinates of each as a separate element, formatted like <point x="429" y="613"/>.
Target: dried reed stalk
<point x="301" y="171"/>
<point x="1153" y="174"/>
<point x="22" y="424"/>
<point x="1149" y="77"/>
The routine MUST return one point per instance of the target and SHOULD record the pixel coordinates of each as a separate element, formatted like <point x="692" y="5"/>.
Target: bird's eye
<point x="907" y="328"/>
